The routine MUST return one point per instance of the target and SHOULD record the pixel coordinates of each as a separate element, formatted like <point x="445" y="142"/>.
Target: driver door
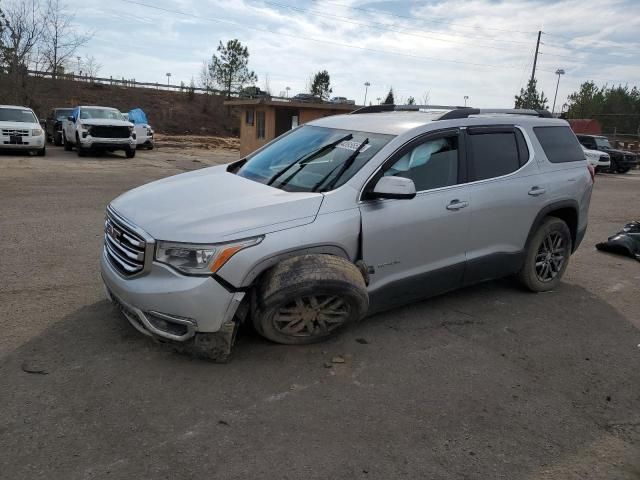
<point x="415" y="248"/>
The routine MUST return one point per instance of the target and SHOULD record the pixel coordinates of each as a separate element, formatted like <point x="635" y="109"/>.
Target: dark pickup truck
<point x="621" y="160"/>
<point x="53" y="127"/>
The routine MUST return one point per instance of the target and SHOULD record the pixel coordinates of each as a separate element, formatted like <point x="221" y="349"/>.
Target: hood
<point x="19" y="125"/>
<point x="619" y="152"/>
<point x="105" y="121"/>
<point x="212" y="205"/>
<point x="594" y="153"/>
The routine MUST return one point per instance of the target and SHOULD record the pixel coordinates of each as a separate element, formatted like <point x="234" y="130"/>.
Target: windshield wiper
<point x="345" y="166"/>
<point x="304" y="159"/>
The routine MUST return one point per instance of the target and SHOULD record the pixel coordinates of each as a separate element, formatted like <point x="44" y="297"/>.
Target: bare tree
<point x="426" y="98"/>
<point x="20" y="34"/>
<point x="91" y="66"/>
<point x="22" y="31"/>
<point x="60" y="40"/>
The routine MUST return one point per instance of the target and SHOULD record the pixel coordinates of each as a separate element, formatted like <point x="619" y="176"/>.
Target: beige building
<point x="263" y="119"/>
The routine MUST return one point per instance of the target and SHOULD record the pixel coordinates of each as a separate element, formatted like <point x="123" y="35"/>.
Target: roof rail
<point x="453" y="111"/>
<point x="402" y="108"/>
<point x="465" y="112"/>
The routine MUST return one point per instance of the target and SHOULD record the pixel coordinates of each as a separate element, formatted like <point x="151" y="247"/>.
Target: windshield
<point x="63" y="114"/>
<point x="602" y="142"/>
<point x="313" y="159"/>
<point x="100" y="113"/>
<point x="17" y="115"/>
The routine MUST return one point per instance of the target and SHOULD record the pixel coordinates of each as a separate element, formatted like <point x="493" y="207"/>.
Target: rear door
<point x="416" y="248"/>
<point x="506" y="192"/>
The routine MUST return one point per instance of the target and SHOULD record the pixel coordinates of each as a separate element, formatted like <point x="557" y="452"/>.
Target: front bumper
<point x="627" y="161"/>
<point x="28" y="143"/>
<point x="89" y="142"/>
<point x="166" y="304"/>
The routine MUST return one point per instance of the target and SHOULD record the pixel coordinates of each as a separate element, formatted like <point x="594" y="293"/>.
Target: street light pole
<point x="366" y="88"/>
<point x="466" y="97"/>
<point x="559" y="72"/>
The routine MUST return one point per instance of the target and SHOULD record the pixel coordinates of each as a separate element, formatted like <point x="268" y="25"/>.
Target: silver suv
<point x="346" y="216"/>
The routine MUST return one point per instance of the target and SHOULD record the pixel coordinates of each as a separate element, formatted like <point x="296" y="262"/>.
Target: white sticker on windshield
<point x="353" y="146"/>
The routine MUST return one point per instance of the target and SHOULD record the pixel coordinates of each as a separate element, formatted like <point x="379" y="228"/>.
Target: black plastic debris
<point x="625" y="242"/>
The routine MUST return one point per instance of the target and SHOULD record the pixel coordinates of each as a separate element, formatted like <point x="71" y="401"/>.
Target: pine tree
<point x="530" y="98"/>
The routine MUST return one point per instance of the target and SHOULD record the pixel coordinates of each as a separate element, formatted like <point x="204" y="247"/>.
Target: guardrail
<point x="123" y="82"/>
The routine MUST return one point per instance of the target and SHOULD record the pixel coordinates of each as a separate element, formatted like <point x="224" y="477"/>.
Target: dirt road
<point x="484" y="383"/>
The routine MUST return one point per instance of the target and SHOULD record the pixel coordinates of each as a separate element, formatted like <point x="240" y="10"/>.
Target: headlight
<point x="196" y="259"/>
<point x="36" y="132"/>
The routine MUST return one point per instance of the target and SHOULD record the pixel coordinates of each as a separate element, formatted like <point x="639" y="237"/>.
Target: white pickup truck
<point x="98" y="129"/>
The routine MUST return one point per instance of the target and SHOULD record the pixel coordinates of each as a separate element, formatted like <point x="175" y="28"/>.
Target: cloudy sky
<point x="479" y="48"/>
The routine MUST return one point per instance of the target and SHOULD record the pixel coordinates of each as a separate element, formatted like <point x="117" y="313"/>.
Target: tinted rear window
<point x="494" y="154"/>
<point x="559" y="144"/>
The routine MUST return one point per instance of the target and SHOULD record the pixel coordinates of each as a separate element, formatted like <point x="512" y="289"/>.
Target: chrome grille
<point x="14" y="132"/>
<point x="125" y="249"/>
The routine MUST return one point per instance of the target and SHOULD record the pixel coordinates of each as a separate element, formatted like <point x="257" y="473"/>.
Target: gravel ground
<point x="484" y="383"/>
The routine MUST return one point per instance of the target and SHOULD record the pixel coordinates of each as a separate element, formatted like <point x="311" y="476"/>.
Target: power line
<point x="428" y="20"/>
<point x="328" y="42"/>
<point x="393" y="28"/>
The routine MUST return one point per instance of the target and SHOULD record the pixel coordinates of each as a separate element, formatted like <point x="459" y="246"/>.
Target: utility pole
<point x="533" y="70"/>
<point x="535" y="58"/>
<point x="366" y="88"/>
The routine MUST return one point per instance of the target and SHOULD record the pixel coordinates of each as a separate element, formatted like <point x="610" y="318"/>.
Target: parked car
<point x="53" y="126"/>
<point x="305" y="97"/>
<point x="252" y="92"/>
<point x="345" y="216"/>
<point x="144" y="132"/>
<point x="99" y="129"/>
<point x="342" y="100"/>
<point x="621" y="160"/>
<point x="21" y="130"/>
<point x="598" y="160"/>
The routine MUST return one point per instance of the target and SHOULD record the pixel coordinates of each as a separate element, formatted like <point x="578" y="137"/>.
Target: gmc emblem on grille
<point x="113" y="232"/>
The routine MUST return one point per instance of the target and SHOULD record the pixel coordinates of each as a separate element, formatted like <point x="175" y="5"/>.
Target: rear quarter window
<point x="560" y="145"/>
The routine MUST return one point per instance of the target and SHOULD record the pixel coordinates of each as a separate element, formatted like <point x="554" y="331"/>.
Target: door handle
<point x="535" y="191"/>
<point x="457" y="205"/>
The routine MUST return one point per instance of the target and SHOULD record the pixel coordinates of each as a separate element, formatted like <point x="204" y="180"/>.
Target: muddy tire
<point x="547" y="256"/>
<point x="65" y="142"/>
<point x="309" y="298"/>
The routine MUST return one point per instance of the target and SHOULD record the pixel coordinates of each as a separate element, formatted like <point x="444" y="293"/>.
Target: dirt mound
<point x="197" y="141"/>
<point x="170" y="112"/>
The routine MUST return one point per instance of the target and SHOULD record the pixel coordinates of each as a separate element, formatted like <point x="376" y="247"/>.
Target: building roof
<point x="245" y="102"/>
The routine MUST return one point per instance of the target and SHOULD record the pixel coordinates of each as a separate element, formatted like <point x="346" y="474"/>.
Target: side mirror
<point x="70" y="118"/>
<point x="394" y="187"/>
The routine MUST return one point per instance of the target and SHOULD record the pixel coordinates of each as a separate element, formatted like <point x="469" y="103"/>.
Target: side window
<point x="559" y="144"/>
<point x="432" y="164"/>
<point x="260" y="124"/>
<point x="493" y="154"/>
<point x="249" y="114"/>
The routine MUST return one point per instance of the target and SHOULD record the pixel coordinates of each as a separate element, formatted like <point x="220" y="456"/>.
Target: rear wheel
<point x="309" y="298"/>
<point x="547" y="256"/>
<point x="65" y="142"/>
<point x="623" y="169"/>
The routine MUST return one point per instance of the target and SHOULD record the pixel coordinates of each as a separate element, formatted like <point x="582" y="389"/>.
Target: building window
<point x="260" y="125"/>
<point x="249" y="114"/>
